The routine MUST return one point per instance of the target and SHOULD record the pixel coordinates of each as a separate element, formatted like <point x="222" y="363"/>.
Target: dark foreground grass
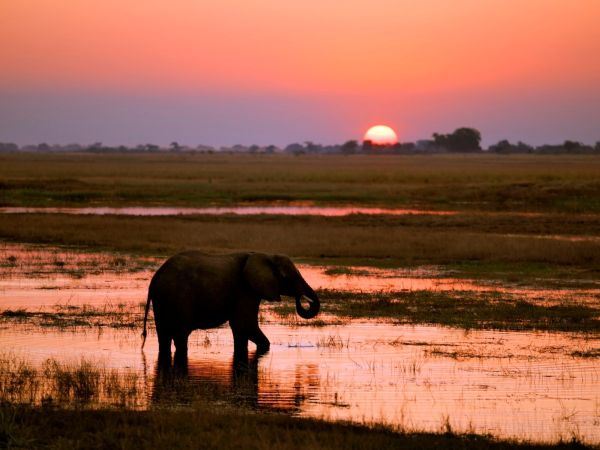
<point x="23" y="427"/>
<point x="457" y="309"/>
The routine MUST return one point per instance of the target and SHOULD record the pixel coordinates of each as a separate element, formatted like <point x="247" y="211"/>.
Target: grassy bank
<point x="221" y="429"/>
<point x="486" y="182"/>
<point x="357" y="239"/>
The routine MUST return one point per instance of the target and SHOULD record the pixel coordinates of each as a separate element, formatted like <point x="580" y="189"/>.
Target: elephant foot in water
<point x="240" y="343"/>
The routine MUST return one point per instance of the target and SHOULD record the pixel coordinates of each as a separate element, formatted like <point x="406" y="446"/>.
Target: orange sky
<point x="380" y="51"/>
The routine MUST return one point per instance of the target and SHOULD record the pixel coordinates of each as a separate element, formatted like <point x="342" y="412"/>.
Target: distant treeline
<point x="462" y="140"/>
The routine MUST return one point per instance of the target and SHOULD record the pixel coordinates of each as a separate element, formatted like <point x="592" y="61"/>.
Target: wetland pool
<point x="537" y="386"/>
<point x="286" y="210"/>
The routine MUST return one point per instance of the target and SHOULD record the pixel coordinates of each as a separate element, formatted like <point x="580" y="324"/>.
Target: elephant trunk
<point x="313" y="300"/>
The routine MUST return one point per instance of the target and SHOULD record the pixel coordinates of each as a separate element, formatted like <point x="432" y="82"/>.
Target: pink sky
<point x="227" y="71"/>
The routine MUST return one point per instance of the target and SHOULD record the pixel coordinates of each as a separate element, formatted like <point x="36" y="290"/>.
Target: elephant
<point x="193" y="290"/>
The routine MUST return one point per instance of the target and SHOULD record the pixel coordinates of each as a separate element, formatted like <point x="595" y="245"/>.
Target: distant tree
<point x="572" y="146"/>
<point x="175" y="147"/>
<point x="270" y="149"/>
<point x="8" y="147"/>
<point x="404" y="147"/>
<point x="253" y="148"/>
<point x="311" y="147"/>
<point x="295" y="148"/>
<point x="461" y="140"/>
<point x="503" y="146"/>
<point x="43" y="147"/>
<point x="597" y="147"/>
<point x="524" y="148"/>
<point x="367" y="145"/>
<point x="95" y="147"/>
<point x="349" y="147"/>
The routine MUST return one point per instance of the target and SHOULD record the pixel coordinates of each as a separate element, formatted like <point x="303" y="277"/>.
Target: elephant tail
<point x="145" y="333"/>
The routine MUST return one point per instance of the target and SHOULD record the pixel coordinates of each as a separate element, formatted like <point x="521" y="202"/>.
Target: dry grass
<point x="57" y="383"/>
<point x="316" y="238"/>
<point x="490" y="182"/>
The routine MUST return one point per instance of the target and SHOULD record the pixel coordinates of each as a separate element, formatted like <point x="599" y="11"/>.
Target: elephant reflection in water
<point x="236" y="381"/>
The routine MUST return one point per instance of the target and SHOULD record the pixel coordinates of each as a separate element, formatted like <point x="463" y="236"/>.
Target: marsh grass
<point x="70" y="316"/>
<point x="451" y="308"/>
<point x="86" y="383"/>
<point x="333" y="342"/>
<point x="462" y="309"/>
<point x="590" y="353"/>
<point x="37" y="261"/>
<point x="345" y="270"/>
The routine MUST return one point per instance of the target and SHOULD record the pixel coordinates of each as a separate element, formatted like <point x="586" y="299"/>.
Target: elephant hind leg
<point x="181" y="346"/>
<point x="164" y="349"/>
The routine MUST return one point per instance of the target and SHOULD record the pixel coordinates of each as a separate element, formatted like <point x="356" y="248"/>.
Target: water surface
<point x="515" y="385"/>
<point x="327" y="211"/>
<point x="529" y="385"/>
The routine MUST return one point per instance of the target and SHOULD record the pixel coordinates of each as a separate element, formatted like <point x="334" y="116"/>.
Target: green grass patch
<point x="457" y="309"/>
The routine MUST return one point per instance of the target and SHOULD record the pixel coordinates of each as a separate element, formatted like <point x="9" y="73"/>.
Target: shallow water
<point x="518" y="385"/>
<point x="36" y="282"/>
<point x="328" y="211"/>
<point x="510" y="384"/>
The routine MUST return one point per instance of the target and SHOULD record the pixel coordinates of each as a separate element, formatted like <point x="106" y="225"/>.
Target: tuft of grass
<point x="333" y="342"/>
<point x="15" y="313"/>
<point x="591" y="353"/>
<point x="345" y="270"/>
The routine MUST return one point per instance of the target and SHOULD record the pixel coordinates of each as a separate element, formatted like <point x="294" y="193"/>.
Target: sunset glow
<point x="279" y="72"/>
<point x="381" y="135"/>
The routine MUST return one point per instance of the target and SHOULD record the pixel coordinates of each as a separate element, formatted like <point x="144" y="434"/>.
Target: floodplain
<point x="473" y="318"/>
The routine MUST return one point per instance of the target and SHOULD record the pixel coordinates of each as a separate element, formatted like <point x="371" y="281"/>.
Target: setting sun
<point x="381" y="135"/>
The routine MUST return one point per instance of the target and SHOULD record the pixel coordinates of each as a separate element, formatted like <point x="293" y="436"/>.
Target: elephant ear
<point x="259" y="273"/>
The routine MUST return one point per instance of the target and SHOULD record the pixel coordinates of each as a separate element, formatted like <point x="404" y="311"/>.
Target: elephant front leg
<point x="262" y="342"/>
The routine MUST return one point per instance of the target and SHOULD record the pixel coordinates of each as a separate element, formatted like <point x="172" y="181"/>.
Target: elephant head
<point x="271" y="276"/>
